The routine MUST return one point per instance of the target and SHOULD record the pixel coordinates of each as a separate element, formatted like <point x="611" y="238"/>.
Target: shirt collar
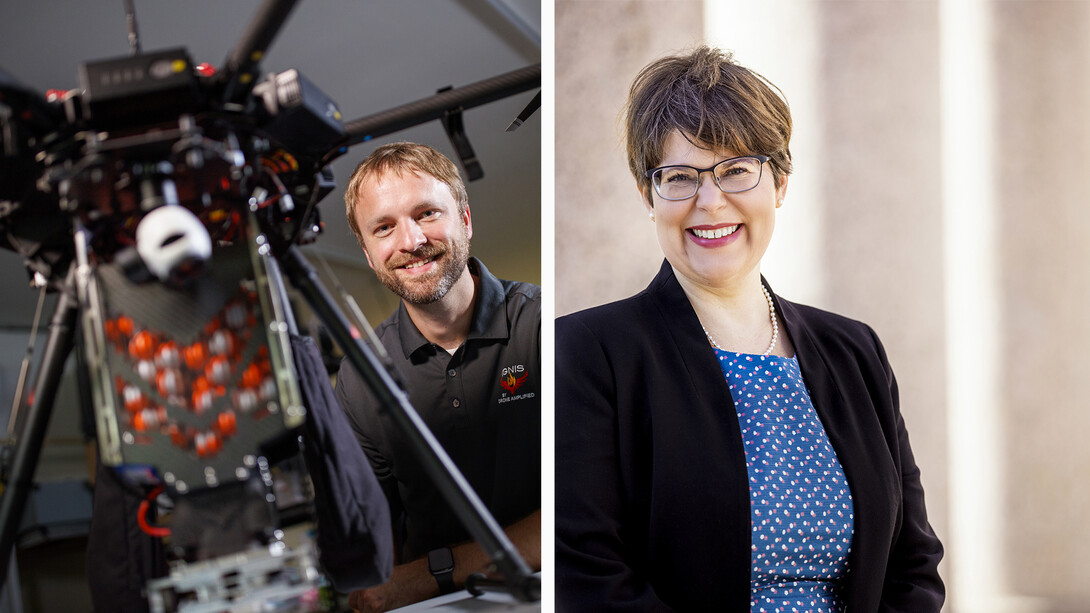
<point x="489" y="315"/>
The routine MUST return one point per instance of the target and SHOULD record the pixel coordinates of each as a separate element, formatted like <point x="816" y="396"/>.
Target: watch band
<point x="441" y="566"/>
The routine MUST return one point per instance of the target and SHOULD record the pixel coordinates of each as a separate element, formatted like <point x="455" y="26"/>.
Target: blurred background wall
<point x="941" y="151"/>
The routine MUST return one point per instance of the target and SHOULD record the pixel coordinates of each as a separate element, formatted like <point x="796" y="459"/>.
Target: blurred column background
<point x="941" y="155"/>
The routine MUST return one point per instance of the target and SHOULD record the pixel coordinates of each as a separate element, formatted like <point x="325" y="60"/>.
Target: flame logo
<point x="510" y="383"/>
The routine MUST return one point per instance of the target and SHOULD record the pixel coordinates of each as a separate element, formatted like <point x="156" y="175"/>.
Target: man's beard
<point x="450" y="263"/>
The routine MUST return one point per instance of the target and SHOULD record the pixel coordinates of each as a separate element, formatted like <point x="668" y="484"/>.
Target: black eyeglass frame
<point x="699" y="171"/>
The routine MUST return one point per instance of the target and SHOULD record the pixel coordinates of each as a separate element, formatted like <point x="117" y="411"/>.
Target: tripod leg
<point x="29" y="445"/>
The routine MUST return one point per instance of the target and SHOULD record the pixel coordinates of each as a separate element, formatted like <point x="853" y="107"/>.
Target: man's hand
<point x="413" y="582"/>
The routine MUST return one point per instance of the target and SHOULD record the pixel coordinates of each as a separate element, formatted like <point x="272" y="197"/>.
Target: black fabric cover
<point x="120" y="557"/>
<point x="355" y="540"/>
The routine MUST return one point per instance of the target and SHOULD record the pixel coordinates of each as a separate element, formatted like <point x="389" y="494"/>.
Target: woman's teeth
<point x="716" y="233"/>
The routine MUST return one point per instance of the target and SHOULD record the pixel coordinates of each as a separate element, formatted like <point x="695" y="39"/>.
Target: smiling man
<point x="466" y="345"/>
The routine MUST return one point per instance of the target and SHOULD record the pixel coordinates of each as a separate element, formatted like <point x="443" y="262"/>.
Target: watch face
<point x="440" y="560"/>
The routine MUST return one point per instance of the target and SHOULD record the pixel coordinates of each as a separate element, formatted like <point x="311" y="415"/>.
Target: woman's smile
<point x="714" y="235"/>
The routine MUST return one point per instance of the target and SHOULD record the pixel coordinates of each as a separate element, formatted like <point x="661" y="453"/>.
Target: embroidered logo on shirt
<point x="509" y="382"/>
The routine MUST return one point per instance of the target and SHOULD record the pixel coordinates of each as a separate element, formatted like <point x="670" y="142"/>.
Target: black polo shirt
<point x="483" y="404"/>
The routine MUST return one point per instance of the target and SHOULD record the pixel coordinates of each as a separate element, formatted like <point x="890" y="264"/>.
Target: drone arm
<point x="434" y="107"/>
<point x="240" y="69"/>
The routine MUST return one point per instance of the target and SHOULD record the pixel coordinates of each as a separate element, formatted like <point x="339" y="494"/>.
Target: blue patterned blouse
<point x="800" y="504"/>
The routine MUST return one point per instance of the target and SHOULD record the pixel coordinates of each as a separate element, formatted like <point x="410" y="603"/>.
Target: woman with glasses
<point x="718" y="447"/>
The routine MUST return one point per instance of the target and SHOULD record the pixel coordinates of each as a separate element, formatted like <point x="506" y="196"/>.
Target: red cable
<point x="142" y="516"/>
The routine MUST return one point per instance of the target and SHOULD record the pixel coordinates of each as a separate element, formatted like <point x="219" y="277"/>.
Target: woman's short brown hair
<point x="712" y="101"/>
<point x="398" y="158"/>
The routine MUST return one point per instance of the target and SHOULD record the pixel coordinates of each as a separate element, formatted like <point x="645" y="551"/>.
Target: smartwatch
<point x="441" y="566"/>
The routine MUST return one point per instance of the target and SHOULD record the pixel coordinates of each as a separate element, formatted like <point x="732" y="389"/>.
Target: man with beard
<point x="466" y="345"/>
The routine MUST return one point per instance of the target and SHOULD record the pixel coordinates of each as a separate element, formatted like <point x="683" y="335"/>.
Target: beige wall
<point x="863" y="233"/>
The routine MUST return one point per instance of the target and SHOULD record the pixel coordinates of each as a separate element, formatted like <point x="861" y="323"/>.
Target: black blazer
<point x="652" y="494"/>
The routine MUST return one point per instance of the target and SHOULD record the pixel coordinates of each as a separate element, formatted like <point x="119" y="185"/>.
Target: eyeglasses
<point x="732" y="175"/>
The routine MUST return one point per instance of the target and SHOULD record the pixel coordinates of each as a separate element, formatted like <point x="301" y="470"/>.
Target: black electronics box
<point x="305" y="119"/>
<point x="138" y="90"/>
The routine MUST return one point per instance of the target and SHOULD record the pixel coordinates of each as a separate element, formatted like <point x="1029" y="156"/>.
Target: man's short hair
<point x="400" y="158"/>
<point x="713" y="102"/>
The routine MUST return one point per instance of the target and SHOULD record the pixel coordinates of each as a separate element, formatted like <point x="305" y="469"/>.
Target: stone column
<point x="1042" y="76"/>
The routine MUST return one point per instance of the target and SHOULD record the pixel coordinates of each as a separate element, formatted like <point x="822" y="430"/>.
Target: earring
<point x="651" y="215"/>
<point x="779" y="202"/>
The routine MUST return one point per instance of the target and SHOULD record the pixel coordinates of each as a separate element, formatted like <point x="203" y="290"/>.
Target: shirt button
<point x="457" y="403"/>
<point x="451" y="372"/>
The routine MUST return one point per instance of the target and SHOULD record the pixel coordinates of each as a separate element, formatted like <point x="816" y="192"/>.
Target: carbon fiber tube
<point x="427" y="109"/>
<point x="239" y="70"/>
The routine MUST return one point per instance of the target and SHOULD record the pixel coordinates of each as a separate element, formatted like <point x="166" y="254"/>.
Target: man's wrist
<point x="441" y="566"/>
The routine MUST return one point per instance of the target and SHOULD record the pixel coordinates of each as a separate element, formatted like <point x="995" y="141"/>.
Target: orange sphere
<point x="251" y="377"/>
<point x="196" y="355"/>
<point x="226" y="423"/>
<point x="142" y="346"/>
<point x="113" y="334"/>
<point x="218" y="370"/>
<point x="169" y="382"/>
<point x="134" y="400"/>
<point x="176" y="435"/>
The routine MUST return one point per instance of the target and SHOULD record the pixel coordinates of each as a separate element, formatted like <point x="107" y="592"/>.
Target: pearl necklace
<point x="771" y="315"/>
